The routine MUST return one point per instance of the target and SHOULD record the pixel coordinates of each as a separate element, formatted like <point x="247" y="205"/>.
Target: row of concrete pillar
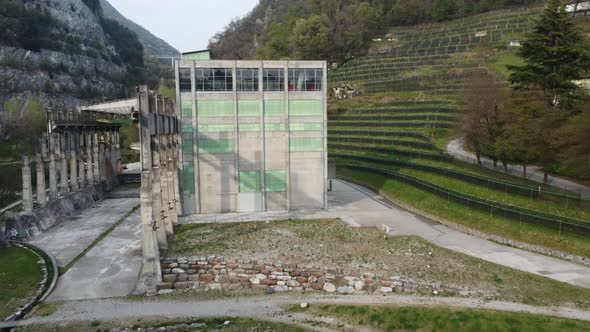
<point x="77" y="155"/>
<point x="160" y="193"/>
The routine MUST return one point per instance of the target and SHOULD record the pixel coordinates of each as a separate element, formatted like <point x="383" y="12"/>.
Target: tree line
<point x="334" y="30"/>
<point x="545" y="118"/>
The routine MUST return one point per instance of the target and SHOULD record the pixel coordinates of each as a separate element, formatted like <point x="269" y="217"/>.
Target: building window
<point x="184" y="75"/>
<point x="213" y="79"/>
<point x="247" y="79"/>
<point x="274" y="79"/>
<point x="275" y="181"/>
<point x="305" y="79"/>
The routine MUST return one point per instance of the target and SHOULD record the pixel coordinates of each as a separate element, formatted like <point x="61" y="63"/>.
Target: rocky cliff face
<point x="64" y="57"/>
<point x="153" y="45"/>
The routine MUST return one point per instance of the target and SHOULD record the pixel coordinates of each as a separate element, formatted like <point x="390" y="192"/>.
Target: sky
<point x="185" y="24"/>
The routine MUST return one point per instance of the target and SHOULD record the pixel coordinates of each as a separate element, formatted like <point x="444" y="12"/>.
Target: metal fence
<point x="563" y="224"/>
<point x="384" y="141"/>
<point x="392" y="151"/>
<point x="533" y="192"/>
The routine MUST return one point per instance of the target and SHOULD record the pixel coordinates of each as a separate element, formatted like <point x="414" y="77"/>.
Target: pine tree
<point x="555" y="53"/>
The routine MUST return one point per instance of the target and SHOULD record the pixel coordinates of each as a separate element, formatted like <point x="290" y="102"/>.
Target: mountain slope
<point x="153" y="45"/>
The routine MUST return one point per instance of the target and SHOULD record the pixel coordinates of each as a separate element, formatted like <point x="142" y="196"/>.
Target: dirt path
<point x="455" y="149"/>
<point x="264" y="307"/>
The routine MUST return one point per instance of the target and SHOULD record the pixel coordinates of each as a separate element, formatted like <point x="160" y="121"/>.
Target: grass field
<point x="474" y="219"/>
<point x="189" y="325"/>
<point x="418" y="318"/>
<point x="496" y="195"/>
<point x="332" y="244"/>
<point x="20" y="274"/>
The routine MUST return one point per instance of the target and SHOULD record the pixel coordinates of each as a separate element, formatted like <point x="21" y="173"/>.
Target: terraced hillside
<point x="393" y="148"/>
<point x="434" y="57"/>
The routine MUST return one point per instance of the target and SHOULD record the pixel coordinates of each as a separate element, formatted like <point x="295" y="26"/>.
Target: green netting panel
<point x="215" y="108"/>
<point x="250" y="182"/>
<point x="274" y="107"/>
<point x="306" y="107"/>
<point x="308" y="126"/>
<point x="188" y="178"/>
<point x="216" y="146"/>
<point x="244" y="127"/>
<point x="215" y="128"/>
<point x="187" y="108"/>
<point x="187" y="128"/>
<point x="248" y="108"/>
<point x="187" y="147"/>
<point x="275" y="127"/>
<point x="303" y="144"/>
<point x="275" y="181"/>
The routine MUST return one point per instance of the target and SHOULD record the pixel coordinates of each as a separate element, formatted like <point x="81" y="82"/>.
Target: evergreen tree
<point x="555" y="54"/>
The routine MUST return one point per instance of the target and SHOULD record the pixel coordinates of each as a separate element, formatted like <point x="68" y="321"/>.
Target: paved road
<point x="112" y="266"/>
<point x="110" y="269"/>
<point x="361" y="207"/>
<point x="69" y="238"/>
<point x="455" y="149"/>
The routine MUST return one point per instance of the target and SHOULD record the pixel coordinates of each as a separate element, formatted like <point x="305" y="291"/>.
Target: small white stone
<point x="330" y="288"/>
<point x="303" y="305"/>
<point x="345" y="290"/>
<point x="226" y="322"/>
<point x="435" y="292"/>
<point x="359" y="285"/>
<point x="386" y="289"/>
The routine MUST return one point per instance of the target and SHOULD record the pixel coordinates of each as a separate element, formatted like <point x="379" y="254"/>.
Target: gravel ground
<point x="268" y="307"/>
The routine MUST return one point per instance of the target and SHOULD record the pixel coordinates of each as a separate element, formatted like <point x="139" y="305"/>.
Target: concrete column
<point x="150" y="274"/>
<point x="53" y="194"/>
<point x="150" y="271"/>
<point x="96" y="157"/>
<point x="64" y="186"/>
<point x="164" y="184"/>
<point x="170" y="177"/>
<point x="157" y="206"/>
<point x="102" y="170"/>
<point x="27" y="186"/>
<point x="89" y="167"/>
<point x="176" y="165"/>
<point x="118" y="151"/>
<point x="73" y="163"/>
<point x="41" y="195"/>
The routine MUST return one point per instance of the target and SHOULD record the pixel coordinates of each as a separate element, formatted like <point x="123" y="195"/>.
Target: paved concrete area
<point x="361" y="207"/>
<point x="110" y="269"/>
<point x="69" y="238"/>
<point x="455" y="149"/>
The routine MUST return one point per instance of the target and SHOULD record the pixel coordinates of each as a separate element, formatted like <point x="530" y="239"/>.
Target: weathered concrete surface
<point x="110" y="269"/>
<point x="361" y="207"/>
<point x="70" y="237"/>
<point x="455" y="148"/>
<point x="25" y="227"/>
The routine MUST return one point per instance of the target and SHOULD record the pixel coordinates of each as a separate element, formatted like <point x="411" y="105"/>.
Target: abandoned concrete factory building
<point x="253" y="135"/>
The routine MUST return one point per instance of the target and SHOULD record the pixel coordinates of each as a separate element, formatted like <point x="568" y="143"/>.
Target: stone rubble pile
<point x="214" y="273"/>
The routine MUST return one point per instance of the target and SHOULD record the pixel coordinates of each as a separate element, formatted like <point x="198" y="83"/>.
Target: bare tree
<point x="481" y="122"/>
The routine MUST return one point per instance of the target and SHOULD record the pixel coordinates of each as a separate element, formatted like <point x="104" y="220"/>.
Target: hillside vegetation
<point x="152" y="45"/>
<point x="430" y="84"/>
<point x="336" y="30"/>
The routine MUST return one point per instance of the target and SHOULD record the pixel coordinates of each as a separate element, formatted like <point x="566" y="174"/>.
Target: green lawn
<point x="554" y="208"/>
<point x="20" y="275"/>
<point x="472" y="218"/>
<point x="442" y="318"/>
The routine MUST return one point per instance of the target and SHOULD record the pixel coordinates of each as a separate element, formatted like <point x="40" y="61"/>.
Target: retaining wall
<point x="25" y="227"/>
<point x="214" y="273"/>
